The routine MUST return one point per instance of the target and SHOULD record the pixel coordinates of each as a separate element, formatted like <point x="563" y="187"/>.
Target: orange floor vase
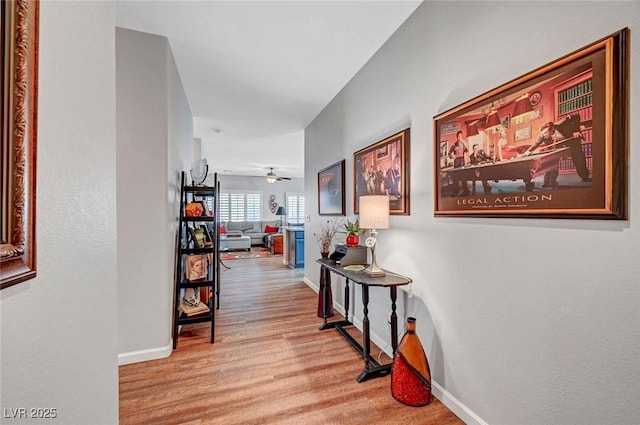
<point x="410" y="374"/>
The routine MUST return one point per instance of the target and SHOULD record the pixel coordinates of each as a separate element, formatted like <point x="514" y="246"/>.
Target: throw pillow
<point x="269" y="229"/>
<point x="223" y="230"/>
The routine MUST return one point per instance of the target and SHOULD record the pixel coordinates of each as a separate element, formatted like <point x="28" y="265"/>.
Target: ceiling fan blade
<point x="283" y="178"/>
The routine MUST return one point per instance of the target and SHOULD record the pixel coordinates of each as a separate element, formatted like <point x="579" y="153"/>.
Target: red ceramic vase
<point x="353" y="240"/>
<point x="410" y="374"/>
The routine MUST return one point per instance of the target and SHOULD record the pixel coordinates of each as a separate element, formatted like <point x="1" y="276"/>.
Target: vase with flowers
<point x="353" y="231"/>
<point x="326" y="234"/>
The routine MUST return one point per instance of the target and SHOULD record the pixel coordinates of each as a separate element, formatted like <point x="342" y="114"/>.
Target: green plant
<point x="353" y="228"/>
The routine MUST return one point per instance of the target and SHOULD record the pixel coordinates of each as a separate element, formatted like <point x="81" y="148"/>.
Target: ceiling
<point x="256" y="73"/>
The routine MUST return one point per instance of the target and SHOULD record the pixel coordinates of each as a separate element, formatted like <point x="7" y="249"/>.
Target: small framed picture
<point x="198" y="237"/>
<point x="331" y="190"/>
<point x="523" y="133"/>
<point x="196" y="267"/>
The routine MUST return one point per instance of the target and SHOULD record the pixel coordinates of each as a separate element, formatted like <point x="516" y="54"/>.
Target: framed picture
<point x="383" y="169"/>
<point x="443" y="154"/>
<point x="523" y="133"/>
<point x="504" y="123"/>
<point x="196" y="267"/>
<point x="197" y="236"/>
<point x="331" y="190"/>
<point x="19" y="34"/>
<point x="565" y="158"/>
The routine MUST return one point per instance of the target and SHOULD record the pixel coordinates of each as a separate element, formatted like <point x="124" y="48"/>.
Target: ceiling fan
<point x="272" y="177"/>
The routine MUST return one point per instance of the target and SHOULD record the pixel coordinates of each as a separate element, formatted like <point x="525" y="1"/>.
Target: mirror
<point x="19" y="44"/>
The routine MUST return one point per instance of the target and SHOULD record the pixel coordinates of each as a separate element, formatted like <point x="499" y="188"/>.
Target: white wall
<point x="260" y="183"/>
<point x="59" y="332"/>
<point x="525" y="321"/>
<point x="155" y="142"/>
<point x="180" y="155"/>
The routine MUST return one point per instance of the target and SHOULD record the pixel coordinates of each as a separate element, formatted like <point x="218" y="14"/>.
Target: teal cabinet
<point x="295" y="239"/>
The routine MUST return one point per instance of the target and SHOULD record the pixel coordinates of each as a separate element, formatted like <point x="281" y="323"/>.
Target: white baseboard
<point x="452" y="403"/>
<point x="456" y="406"/>
<point x="311" y="284"/>
<point x="145" y="355"/>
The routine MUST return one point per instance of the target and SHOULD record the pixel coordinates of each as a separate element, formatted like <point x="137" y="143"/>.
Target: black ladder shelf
<point x="188" y="252"/>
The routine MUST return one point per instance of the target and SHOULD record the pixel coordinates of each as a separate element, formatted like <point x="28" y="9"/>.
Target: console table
<point x="372" y="369"/>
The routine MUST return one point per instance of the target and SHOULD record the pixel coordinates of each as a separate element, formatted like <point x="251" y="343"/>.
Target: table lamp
<point x="374" y="215"/>
<point x="281" y="212"/>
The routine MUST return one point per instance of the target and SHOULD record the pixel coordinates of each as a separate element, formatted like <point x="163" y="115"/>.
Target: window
<point x="240" y="205"/>
<point x="295" y="208"/>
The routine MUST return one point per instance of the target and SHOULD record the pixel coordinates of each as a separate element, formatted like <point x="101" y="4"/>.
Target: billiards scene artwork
<point x="551" y="143"/>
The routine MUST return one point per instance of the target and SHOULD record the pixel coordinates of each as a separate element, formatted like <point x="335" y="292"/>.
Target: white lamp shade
<point x="374" y="212"/>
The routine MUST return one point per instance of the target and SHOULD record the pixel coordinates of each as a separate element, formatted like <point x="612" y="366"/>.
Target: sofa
<point x="256" y="230"/>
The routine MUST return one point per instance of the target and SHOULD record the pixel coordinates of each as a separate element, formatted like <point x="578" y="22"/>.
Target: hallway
<point x="269" y="365"/>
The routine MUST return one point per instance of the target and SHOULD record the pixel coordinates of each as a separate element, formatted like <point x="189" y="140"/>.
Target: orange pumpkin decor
<point x="193" y="209"/>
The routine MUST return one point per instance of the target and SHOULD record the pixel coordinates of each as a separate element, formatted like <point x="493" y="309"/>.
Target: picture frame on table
<point x="565" y="158"/>
<point x="383" y="169"/>
<point x="331" y="197"/>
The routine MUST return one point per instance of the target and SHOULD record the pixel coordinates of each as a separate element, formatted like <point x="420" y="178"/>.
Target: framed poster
<point x="383" y="169"/>
<point x="331" y="190"/>
<point x="19" y="88"/>
<point x="564" y="159"/>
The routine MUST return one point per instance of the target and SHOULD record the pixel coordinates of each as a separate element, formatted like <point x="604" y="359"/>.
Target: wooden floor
<point x="269" y="365"/>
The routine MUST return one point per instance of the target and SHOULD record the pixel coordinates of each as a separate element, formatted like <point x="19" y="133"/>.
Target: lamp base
<point x="374" y="271"/>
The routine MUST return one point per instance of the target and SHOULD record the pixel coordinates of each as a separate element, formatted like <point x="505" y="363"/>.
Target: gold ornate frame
<point x="19" y="44"/>
<point x="589" y="86"/>
<point x="391" y="153"/>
